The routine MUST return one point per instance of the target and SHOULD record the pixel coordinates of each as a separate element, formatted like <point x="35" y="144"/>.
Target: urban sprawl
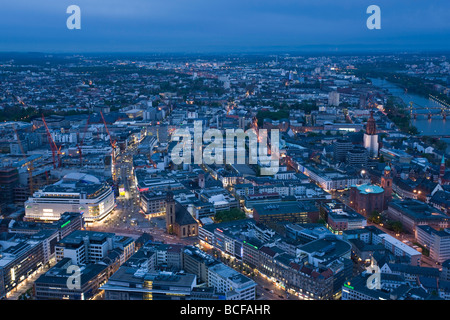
<point x="88" y="183"/>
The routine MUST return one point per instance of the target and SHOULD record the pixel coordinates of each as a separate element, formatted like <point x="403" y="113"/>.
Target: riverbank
<point x="436" y="126"/>
<point x="396" y="111"/>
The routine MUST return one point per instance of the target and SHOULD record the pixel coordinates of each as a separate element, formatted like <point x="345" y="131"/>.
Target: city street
<point x="27" y="284"/>
<point x="266" y="289"/>
<point x="127" y="217"/>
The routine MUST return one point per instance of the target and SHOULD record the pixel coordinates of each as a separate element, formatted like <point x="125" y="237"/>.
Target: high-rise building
<point x="340" y="149"/>
<point x="357" y="157"/>
<point x="371" y="137"/>
<point x="9" y="178"/>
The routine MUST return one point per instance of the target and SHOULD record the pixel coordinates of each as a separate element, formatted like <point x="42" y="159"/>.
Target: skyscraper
<point x="371" y="137"/>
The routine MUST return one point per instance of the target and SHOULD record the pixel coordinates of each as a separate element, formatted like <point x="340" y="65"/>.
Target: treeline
<point x="273" y="115"/>
<point x="284" y="110"/>
<point x="231" y="215"/>
<point x="400" y="117"/>
<point x="18" y="113"/>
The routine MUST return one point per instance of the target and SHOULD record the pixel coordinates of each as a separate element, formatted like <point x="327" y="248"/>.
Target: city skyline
<point x="205" y="152"/>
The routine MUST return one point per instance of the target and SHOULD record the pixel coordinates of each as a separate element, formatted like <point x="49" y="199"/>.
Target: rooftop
<point x="369" y="188"/>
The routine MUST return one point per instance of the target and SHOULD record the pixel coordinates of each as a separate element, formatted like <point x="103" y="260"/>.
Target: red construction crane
<point x="55" y="151"/>
<point x="113" y="145"/>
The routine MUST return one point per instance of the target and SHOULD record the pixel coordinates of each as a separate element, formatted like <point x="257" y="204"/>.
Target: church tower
<point x="442" y="170"/>
<point x="170" y="212"/>
<point x="371" y="137"/>
<point x="386" y="184"/>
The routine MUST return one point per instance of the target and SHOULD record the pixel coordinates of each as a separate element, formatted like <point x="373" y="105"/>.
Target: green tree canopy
<point x="231" y="215"/>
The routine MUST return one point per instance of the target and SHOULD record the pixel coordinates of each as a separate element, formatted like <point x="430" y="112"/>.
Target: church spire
<point x="371" y="128"/>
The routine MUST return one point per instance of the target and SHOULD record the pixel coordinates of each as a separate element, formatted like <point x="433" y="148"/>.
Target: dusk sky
<point x="219" y="25"/>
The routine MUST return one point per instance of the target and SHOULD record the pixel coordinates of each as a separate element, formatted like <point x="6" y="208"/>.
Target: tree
<point x="231" y="215"/>
<point x="395" y="226"/>
<point x="375" y="217"/>
<point x="277" y="115"/>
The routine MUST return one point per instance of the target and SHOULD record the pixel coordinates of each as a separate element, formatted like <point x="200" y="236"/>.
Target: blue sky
<point x="219" y="25"/>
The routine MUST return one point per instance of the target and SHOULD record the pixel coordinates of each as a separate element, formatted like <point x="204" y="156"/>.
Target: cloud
<point x="173" y="24"/>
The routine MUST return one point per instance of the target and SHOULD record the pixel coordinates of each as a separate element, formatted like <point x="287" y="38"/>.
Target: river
<point x="435" y="126"/>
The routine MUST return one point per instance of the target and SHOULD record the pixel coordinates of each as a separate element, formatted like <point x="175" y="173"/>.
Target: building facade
<point x="74" y="193"/>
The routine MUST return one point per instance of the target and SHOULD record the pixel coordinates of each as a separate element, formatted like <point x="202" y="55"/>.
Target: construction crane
<point x="55" y="151"/>
<point x="30" y="165"/>
<point x="81" y="142"/>
<point x="113" y="145"/>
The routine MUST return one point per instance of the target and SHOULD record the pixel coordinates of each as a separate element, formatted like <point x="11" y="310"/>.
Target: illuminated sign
<point x="65" y="224"/>
<point x="348" y="286"/>
<point x="251" y="245"/>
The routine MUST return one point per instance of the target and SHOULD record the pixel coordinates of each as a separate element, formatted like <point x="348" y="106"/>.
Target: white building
<point x="75" y="192"/>
<point x="84" y="247"/>
<point x="371" y="137"/>
<point x="227" y="280"/>
<point x="398" y="248"/>
<point x="438" y="242"/>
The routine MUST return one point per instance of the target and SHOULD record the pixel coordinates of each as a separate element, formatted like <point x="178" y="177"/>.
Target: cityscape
<point x="230" y="176"/>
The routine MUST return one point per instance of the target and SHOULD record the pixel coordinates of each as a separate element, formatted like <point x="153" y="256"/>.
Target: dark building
<point x="412" y="213"/>
<point x="153" y="203"/>
<point x="367" y="198"/>
<point x="9" y="179"/>
<point x="22" y="257"/>
<point x="197" y="262"/>
<point x="136" y="284"/>
<point x="340" y="217"/>
<point x="178" y="220"/>
<point x="357" y="157"/>
<point x="294" y="212"/>
<point x="58" y="283"/>
<point x="340" y="149"/>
